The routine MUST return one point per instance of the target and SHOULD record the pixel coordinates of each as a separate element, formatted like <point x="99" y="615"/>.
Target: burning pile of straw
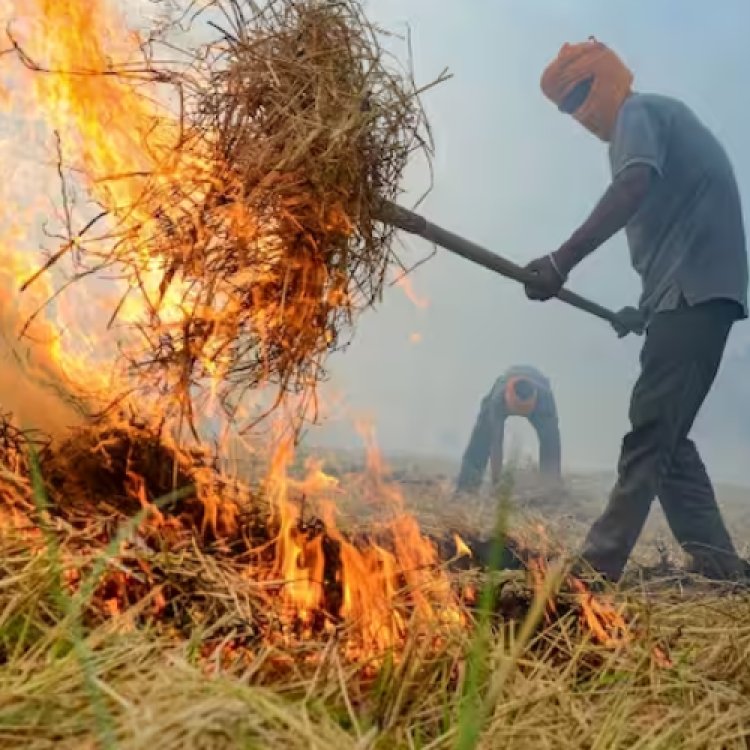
<point x="257" y="210"/>
<point x="177" y="523"/>
<point x="110" y="537"/>
<point x="172" y="523"/>
<point x="145" y="628"/>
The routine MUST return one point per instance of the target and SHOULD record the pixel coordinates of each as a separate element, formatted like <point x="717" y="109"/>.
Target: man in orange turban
<point x="590" y="82"/>
<point x="674" y="192"/>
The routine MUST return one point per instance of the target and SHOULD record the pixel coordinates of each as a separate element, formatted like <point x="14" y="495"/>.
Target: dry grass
<point x="109" y="640"/>
<point x="560" y="691"/>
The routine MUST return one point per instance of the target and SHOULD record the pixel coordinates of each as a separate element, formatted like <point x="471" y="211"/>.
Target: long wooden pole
<point x="413" y="223"/>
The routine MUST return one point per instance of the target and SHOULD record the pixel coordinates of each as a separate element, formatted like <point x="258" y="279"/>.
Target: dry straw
<point x="295" y="123"/>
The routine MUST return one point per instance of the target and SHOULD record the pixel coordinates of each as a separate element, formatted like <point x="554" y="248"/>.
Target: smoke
<point x="513" y="175"/>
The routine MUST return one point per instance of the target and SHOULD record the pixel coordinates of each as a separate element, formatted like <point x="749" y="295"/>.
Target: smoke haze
<point x="512" y="174"/>
<point x="515" y="176"/>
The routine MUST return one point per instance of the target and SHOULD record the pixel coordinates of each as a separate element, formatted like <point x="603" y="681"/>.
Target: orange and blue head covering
<point x="520" y="396"/>
<point x="611" y="84"/>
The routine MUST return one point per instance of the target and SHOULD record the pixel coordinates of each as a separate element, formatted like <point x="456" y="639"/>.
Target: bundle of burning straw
<point x="257" y="215"/>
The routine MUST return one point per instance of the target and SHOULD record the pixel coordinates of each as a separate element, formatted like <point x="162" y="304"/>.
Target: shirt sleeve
<point x="639" y="138"/>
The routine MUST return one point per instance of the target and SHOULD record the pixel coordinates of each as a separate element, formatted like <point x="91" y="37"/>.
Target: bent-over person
<point x="521" y="391"/>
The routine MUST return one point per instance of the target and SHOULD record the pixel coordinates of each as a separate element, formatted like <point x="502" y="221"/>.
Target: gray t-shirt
<point x="687" y="240"/>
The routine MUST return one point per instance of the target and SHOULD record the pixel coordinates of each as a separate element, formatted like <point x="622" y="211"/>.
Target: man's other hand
<point x="628" y="320"/>
<point x="545" y="278"/>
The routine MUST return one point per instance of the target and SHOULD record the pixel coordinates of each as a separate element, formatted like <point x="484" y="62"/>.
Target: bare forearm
<point x="615" y="209"/>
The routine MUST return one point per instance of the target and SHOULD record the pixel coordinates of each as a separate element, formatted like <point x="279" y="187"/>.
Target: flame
<point x="598" y="615"/>
<point x="462" y="549"/>
<point x="103" y="122"/>
<point x="100" y="124"/>
<point x="601" y="618"/>
<point x="381" y="582"/>
<point x="117" y="138"/>
<point x="117" y="135"/>
<point x="406" y="285"/>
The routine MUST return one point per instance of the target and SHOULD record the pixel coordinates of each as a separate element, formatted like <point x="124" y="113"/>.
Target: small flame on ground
<point x="597" y="613"/>
<point x="601" y="618"/>
<point x="462" y="549"/>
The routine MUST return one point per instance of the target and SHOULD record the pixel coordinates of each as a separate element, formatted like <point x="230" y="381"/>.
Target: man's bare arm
<point x="615" y="209"/>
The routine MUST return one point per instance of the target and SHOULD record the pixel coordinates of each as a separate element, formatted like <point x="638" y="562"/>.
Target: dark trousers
<point x="679" y="361"/>
<point x="548" y="434"/>
<point x="486" y="445"/>
<point x="477" y="453"/>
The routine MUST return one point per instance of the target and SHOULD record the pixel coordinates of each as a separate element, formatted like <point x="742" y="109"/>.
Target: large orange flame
<point x="378" y="584"/>
<point x="80" y="106"/>
<point x="97" y="125"/>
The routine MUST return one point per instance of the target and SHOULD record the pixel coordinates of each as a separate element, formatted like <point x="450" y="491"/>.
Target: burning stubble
<point x="250" y="218"/>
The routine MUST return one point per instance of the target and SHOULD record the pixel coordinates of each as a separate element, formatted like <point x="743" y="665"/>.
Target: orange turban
<point x="520" y="407"/>
<point x="611" y="85"/>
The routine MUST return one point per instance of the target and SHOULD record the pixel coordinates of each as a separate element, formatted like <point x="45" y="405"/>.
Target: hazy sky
<point x="514" y="175"/>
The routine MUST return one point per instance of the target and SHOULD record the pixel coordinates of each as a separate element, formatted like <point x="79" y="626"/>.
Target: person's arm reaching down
<point x="617" y="206"/>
